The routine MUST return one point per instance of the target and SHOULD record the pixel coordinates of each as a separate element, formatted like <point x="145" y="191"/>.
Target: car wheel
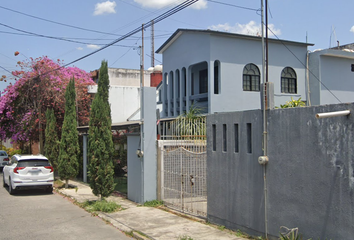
<point x="3" y="181"/>
<point x="49" y="190"/>
<point x="11" y="190"/>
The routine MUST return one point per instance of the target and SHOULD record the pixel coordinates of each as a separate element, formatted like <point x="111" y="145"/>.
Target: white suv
<point x="28" y="171"/>
<point x="4" y="159"/>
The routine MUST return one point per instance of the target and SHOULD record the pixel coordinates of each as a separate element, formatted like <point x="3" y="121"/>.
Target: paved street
<point x="34" y="214"/>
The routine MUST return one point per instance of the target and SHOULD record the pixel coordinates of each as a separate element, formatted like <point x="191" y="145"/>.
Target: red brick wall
<point x="155" y="79"/>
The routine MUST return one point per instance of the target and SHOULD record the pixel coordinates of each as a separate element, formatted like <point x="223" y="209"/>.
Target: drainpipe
<point x="308" y="79"/>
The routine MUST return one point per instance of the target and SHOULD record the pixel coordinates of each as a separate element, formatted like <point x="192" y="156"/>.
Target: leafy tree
<point x="51" y="147"/>
<point x="100" y="144"/>
<point x="69" y="144"/>
<point x="191" y="123"/>
<point x="40" y="84"/>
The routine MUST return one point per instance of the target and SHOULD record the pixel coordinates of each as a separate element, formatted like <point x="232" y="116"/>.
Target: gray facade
<point x="205" y="68"/>
<point x="331" y="69"/>
<point x="310" y="177"/>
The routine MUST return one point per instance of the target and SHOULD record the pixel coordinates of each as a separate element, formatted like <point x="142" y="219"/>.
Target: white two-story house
<point x="220" y="71"/>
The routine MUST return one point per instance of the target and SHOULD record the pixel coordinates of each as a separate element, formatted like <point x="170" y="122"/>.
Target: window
<point x="178" y="84"/>
<point x="352" y="67"/>
<point x="203" y="81"/>
<point x="172" y="87"/>
<point x="251" y="78"/>
<point x="288" y="80"/>
<point x="216" y="77"/>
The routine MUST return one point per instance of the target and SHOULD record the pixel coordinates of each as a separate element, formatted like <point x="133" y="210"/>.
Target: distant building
<point x="124" y="91"/>
<point x="331" y="75"/>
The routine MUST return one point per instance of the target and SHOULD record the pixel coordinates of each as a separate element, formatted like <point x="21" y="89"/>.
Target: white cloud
<point x="201" y="4"/>
<point x="105" y="8"/>
<point x="79" y="48"/>
<point x="250" y="28"/>
<point x="352" y="29"/>
<point x="93" y="46"/>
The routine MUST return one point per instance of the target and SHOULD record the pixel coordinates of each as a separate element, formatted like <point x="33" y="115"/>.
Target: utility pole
<point x="264" y="102"/>
<point x="142" y="112"/>
<point x="152" y="44"/>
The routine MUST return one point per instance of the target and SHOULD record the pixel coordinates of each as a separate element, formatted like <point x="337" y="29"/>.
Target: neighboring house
<point x="124" y="91"/>
<point x="332" y="69"/>
<point x="220" y="71"/>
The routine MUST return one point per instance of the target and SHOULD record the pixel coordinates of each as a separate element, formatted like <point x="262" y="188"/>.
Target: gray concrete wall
<point x="149" y="145"/>
<point x="142" y="171"/>
<point x="134" y="169"/>
<point x="234" y="179"/>
<point x="310" y="172"/>
<point x="310" y="178"/>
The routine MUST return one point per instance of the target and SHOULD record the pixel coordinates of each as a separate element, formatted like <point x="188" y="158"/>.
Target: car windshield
<point x="33" y="163"/>
<point x="3" y="154"/>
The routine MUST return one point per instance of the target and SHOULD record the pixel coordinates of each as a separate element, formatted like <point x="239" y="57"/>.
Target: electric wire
<point x="78" y="38"/>
<point x="157" y="19"/>
<point x="148" y="24"/>
<point x="232" y="5"/>
<point x="62" y="24"/>
<point x="51" y="37"/>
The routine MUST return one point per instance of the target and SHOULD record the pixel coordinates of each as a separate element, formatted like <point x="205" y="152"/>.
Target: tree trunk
<point x="66" y="183"/>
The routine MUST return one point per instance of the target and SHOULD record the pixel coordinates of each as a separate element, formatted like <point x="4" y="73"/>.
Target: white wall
<point x="124" y="102"/>
<point x="127" y="77"/>
<point x="336" y="75"/>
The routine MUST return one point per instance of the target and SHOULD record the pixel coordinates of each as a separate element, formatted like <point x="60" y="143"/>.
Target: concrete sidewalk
<point x="149" y="222"/>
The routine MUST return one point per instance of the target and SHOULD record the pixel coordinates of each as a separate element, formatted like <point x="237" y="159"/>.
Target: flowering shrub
<point x="11" y="151"/>
<point x="40" y="84"/>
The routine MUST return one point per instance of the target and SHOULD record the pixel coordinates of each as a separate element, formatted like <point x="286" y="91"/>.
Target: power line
<point x="6" y="70"/>
<point x="303" y="64"/>
<point x="78" y="38"/>
<point x="51" y="37"/>
<point x="232" y="5"/>
<point x="58" y="23"/>
<point x="159" y="18"/>
<point x="146" y="25"/>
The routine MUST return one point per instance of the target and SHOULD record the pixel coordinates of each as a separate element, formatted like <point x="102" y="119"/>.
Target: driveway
<point x="33" y="214"/>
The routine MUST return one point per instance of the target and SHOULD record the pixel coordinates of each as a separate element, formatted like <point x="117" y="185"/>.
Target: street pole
<point x="142" y="112"/>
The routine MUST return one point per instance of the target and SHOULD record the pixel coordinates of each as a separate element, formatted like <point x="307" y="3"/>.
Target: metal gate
<point x="183" y="173"/>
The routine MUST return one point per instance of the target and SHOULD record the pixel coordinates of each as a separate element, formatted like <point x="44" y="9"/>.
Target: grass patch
<point x="221" y="228"/>
<point x="102" y="206"/>
<point x="58" y="184"/>
<point x="185" y="238"/>
<point x="153" y="203"/>
<point x="121" y="184"/>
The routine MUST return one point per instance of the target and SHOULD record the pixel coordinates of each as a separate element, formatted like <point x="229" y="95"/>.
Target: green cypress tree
<point x="100" y="143"/>
<point x="51" y="147"/>
<point x="69" y="144"/>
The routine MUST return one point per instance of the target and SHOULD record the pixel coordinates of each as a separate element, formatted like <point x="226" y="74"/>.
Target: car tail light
<point x="17" y="168"/>
<point x="6" y="159"/>
<point x="49" y="167"/>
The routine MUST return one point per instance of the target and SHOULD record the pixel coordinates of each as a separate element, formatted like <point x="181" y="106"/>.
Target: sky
<point x="70" y="30"/>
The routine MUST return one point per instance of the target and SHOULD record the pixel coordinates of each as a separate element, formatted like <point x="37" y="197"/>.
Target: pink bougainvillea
<point x="40" y="84"/>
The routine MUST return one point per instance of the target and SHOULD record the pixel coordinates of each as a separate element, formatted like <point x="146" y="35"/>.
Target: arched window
<point x="288" y="81"/>
<point x="251" y="78"/>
